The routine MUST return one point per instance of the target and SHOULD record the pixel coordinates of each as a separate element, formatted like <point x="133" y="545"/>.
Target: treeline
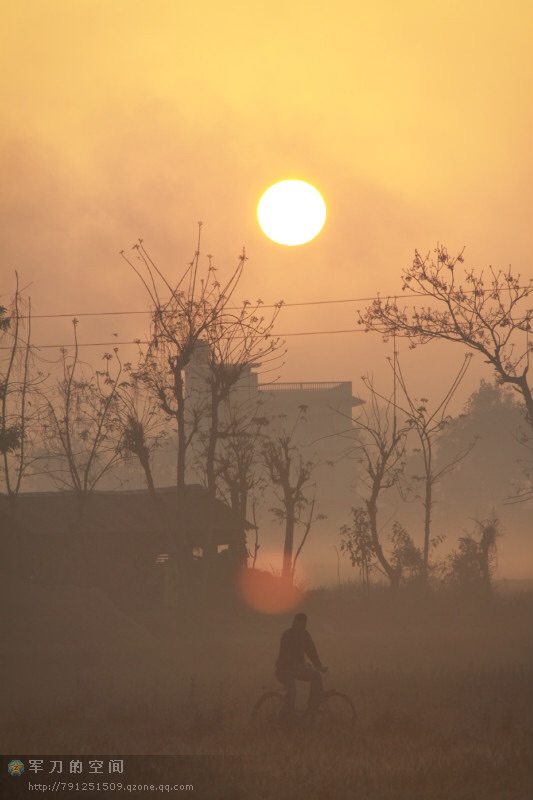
<point x="191" y="388"/>
<point x="188" y="388"/>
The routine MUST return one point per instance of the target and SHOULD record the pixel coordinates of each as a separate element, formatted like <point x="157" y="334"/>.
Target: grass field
<point x="443" y="690"/>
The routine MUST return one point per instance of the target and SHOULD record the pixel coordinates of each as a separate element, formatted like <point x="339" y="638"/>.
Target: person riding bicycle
<point x="291" y="666"/>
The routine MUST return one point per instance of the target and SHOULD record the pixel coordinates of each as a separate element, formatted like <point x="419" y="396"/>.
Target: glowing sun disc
<point x="291" y="212"/>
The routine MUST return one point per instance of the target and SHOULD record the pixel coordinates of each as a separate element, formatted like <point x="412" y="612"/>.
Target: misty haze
<point x="266" y="479"/>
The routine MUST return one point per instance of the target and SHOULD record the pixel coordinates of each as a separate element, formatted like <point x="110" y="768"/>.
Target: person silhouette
<point x="291" y="666"/>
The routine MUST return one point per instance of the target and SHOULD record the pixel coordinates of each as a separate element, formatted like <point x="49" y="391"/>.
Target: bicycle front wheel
<point x="336" y="711"/>
<point x="267" y="710"/>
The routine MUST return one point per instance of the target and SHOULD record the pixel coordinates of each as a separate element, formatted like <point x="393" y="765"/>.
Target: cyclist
<point x="291" y="666"/>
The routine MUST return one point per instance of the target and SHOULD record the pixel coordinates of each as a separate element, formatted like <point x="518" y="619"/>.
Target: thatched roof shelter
<point x="188" y="514"/>
<point x="115" y="539"/>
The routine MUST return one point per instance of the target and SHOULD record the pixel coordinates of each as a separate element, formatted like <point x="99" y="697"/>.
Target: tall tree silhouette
<point x="19" y="383"/>
<point x="489" y="313"/>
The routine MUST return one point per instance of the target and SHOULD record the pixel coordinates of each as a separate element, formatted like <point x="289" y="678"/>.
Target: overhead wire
<point x="282" y="304"/>
<point x="145" y="341"/>
<point x="304" y="303"/>
<point x="235" y="308"/>
<point x="230" y="308"/>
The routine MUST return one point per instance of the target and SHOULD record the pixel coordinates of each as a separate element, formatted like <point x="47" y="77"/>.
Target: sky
<point x="130" y="119"/>
<point x="127" y="118"/>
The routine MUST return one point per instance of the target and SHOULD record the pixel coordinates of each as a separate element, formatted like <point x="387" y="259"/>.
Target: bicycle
<point x="335" y="711"/>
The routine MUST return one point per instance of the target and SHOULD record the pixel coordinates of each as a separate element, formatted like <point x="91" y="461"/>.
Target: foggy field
<point x="443" y="691"/>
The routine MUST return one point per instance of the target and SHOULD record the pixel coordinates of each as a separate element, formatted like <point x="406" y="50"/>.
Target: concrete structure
<point x="327" y="405"/>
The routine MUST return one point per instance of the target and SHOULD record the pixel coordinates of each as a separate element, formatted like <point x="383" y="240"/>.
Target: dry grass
<point x="443" y="693"/>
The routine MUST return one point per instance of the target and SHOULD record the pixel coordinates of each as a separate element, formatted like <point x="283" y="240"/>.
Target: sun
<point x="291" y="212"/>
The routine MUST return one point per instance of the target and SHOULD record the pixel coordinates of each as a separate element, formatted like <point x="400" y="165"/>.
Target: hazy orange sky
<point x="124" y="119"/>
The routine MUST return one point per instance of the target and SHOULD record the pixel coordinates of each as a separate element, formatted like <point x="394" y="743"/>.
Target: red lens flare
<point x="264" y="592"/>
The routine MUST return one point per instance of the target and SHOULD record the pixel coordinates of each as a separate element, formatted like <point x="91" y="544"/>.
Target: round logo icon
<point x="15" y="767"/>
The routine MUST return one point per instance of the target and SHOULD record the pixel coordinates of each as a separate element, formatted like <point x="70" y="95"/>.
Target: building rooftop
<point x="127" y="511"/>
<point x="312" y="386"/>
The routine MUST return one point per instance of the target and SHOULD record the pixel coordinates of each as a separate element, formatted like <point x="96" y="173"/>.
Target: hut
<point x="119" y="541"/>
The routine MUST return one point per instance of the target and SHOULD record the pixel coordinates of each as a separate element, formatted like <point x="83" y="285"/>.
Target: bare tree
<point x="198" y="314"/>
<point x="181" y="315"/>
<point x="307" y="525"/>
<point x="290" y="475"/>
<point x="381" y="454"/>
<point x="140" y="426"/>
<point x="240" y="477"/>
<point x="487" y="313"/>
<point x="80" y="430"/>
<point x="429" y="427"/>
<point x="236" y="342"/>
<point x="18" y="385"/>
<point x="255" y="552"/>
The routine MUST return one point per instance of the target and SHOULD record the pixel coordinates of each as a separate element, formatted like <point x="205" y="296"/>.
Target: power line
<point x="140" y="341"/>
<point x="233" y="308"/>
<point x="299" y="304"/>
<point x="371" y="298"/>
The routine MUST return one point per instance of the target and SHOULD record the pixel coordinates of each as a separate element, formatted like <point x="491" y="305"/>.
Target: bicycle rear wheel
<point x="336" y="711"/>
<point x="267" y="710"/>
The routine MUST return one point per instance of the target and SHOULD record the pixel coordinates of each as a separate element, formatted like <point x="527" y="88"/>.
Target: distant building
<point x="326" y="405"/>
<point x="317" y="413"/>
<point x="197" y="375"/>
